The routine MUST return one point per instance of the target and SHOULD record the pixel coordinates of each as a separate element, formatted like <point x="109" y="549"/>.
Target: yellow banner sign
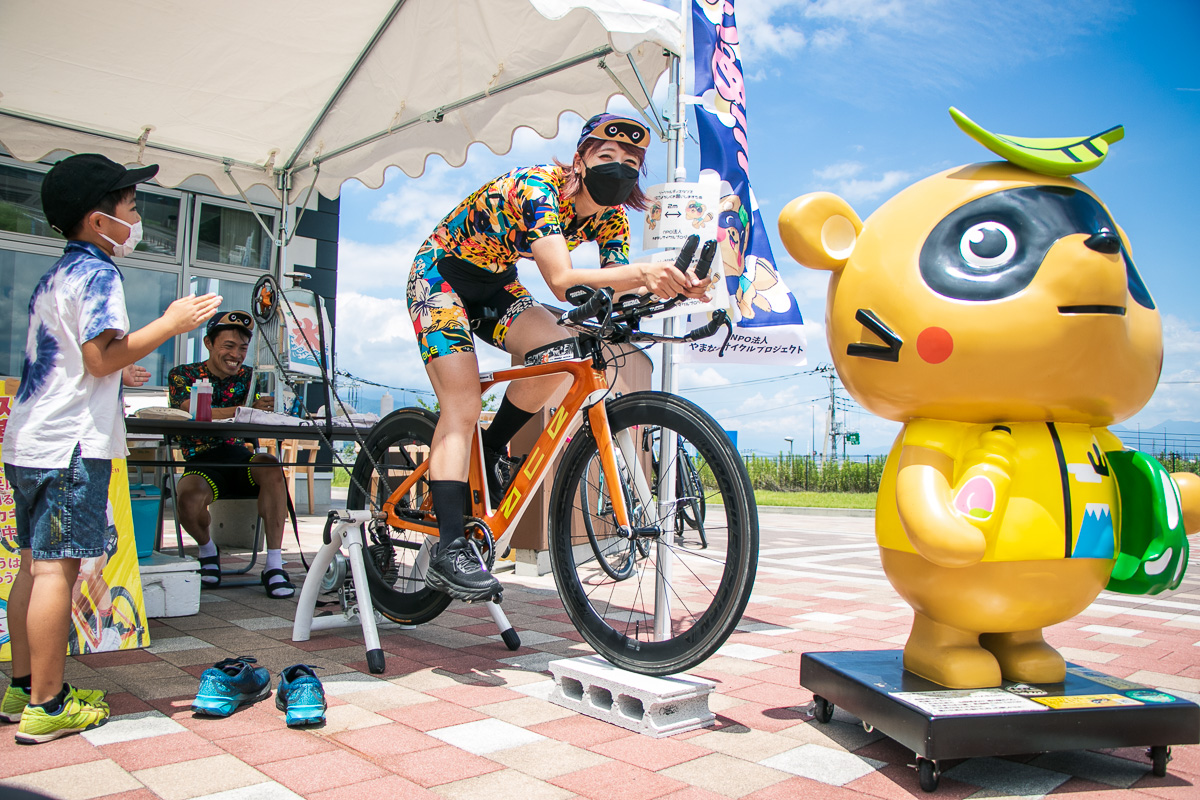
<point x="107" y="610"/>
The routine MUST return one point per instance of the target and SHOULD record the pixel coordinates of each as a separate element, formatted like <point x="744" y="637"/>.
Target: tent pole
<point x="668" y="447"/>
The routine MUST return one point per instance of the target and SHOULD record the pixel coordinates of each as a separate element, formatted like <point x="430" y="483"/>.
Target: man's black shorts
<point x="233" y="482"/>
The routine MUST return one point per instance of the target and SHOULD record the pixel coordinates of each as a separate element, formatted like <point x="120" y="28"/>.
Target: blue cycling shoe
<point x="229" y="684"/>
<point x="301" y="695"/>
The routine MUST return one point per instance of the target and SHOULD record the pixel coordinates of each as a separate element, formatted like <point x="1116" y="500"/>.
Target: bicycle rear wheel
<point x="396" y="559"/>
<point x="708" y="589"/>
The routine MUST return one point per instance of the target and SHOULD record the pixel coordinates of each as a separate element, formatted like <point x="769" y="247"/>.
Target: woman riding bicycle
<point x="464" y="282"/>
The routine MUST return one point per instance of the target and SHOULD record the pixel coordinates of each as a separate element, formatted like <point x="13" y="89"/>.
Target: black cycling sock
<point x="450" y="505"/>
<point x="24" y="682"/>
<point x="508" y="420"/>
<point x="54" y="704"/>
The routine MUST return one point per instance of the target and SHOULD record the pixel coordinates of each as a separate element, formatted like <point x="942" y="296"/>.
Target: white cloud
<point x="1178" y="337"/>
<point x="858" y="190"/>
<point x="380" y="270"/>
<point x="695" y="378"/>
<point x="830" y="38"/>
<point x="856" y="10"/>
<point x="838" y="171"/>
<point x="841" y="43"/>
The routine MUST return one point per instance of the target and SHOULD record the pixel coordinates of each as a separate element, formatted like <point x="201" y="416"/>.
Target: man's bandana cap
<point x="611" y="128"/>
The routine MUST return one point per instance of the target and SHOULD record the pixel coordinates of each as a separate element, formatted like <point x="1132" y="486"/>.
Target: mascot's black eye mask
<point x="992" y="247"/>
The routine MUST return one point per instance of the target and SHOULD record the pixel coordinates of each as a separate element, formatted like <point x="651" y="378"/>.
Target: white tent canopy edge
<point x="243" y="94"/>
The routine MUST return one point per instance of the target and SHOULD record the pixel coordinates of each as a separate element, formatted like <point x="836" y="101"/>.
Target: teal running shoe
<point x="301" y="696"/>
<point x="230" y="684"/>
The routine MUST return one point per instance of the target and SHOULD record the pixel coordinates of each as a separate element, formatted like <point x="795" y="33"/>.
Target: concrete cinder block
<point x="170" y="585"/>
<point x="653" y="706"/>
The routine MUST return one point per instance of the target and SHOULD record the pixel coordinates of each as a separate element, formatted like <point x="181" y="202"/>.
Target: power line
<point x="754" y="382"/>
<point x="344" y="374"/>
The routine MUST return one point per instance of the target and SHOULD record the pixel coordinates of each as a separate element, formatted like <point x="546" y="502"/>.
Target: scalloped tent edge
<point x="234" y="93"/>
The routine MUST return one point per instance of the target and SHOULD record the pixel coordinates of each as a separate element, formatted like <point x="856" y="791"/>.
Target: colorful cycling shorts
<point x="448" y="298"/>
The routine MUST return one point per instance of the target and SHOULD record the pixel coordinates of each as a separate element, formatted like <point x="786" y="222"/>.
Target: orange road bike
<point x="654" y="566"/>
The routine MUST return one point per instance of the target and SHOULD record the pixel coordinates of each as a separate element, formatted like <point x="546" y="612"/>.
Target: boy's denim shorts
<point x="62" y="512"/>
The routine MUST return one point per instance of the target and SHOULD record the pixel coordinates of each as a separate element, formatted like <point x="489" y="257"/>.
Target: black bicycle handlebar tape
<point x="592" y="308"/>
<point x="707" y="253"/>
<point x="687" y="252"/>
<point x="713" y="325"/>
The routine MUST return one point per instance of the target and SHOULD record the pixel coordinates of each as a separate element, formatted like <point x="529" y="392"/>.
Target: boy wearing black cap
<point x="66" y="426"/>
<point x="226" y="469"/>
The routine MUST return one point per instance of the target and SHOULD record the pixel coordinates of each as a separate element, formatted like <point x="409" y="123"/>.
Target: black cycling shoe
<point x="455" y="570"/>
<point x="500" y="471"/>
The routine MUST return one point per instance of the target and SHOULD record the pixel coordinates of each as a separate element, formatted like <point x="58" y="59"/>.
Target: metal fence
<point x="799" y="473"/>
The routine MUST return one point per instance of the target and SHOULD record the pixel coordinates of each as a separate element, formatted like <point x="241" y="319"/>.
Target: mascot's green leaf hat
<point x="1063" y="156"/>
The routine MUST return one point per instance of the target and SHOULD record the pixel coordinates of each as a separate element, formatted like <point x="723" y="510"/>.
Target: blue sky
<point x="850" y="96"/>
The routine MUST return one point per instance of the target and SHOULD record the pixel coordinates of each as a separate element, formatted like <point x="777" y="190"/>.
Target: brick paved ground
<point x="456" y="715"/>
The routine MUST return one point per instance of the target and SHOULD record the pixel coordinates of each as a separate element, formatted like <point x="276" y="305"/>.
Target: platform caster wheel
<point x="822" y="709"/>
<point x="375" y="661"/>
<point x="928" y="774"/>
<point x="1159" y="756"/>
<point x="511" y="640"/>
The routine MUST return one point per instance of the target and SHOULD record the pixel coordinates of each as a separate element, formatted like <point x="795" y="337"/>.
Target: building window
<point x="21" y="203"/>
<point x="160" y="225"/>
<point x="148" y="292"/>
<point x="19" y="274"/>
<point x="235" y="296"/>
<point x="233" y="236"/>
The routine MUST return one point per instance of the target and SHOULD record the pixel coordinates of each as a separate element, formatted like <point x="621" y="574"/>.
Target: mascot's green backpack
<point x="1153" y="551"/>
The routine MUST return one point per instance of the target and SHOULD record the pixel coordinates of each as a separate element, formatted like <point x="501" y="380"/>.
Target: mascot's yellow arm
<point x="1189" y="492"/>
<point x="923" y="500"/>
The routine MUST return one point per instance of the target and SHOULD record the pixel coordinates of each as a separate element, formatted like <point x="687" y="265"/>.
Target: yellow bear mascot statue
<point x="996" y="311"/>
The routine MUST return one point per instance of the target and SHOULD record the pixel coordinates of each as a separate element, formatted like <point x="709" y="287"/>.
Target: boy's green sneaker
<point x="16" y="698"/>
<point x="37" y="726"/>
<point x="14" y="702"/>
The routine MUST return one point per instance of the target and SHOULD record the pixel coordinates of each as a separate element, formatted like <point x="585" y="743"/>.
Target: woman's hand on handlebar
<point x="664" y="280"/>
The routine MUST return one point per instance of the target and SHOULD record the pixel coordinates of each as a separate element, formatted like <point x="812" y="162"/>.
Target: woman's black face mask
<point x="610" y="184"/>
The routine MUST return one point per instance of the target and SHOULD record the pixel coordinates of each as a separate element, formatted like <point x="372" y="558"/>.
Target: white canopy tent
<point x="286" y="94"/>
<point x="302" y="94"/>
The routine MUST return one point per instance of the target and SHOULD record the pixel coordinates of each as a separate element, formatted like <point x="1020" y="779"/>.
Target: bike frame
<point x="589" y="386"/>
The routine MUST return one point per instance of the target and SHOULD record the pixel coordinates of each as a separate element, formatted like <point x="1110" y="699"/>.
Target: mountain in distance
<point x="1170" y="426"/>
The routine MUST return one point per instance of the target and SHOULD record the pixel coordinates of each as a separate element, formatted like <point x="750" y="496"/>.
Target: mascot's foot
<point x="948" y="656"/>
<point x="1024" y="657"/>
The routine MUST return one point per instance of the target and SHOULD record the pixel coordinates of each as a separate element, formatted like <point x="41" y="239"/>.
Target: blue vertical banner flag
<point x="768" y="325"/>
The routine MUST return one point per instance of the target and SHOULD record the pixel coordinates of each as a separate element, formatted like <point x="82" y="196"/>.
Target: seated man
<point x="248" y="475"/>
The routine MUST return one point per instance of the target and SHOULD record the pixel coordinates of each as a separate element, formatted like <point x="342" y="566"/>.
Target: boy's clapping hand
<point x="135" y="375"/>
<point x="188" y="313"/>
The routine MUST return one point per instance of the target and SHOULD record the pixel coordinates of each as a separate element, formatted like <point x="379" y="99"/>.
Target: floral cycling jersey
<point x="495" y="225"/>
<point x="226" y="393"/>
<point x="464" y="277"/>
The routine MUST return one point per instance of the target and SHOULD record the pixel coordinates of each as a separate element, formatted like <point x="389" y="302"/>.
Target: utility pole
<point x="829" y="445"/>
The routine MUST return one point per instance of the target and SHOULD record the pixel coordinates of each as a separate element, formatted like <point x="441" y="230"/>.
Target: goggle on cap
<point x="230" y="319"/>
<point x="611" y="128"/>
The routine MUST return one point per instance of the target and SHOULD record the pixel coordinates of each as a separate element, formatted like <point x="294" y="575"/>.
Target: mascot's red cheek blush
<point x="935" y="345"/>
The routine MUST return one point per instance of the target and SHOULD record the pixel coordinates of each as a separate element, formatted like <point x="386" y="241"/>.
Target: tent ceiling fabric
<point x="257" y="87"/>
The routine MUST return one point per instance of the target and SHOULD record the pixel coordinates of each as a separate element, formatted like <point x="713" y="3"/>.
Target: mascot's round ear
<point x="819" y="230"/>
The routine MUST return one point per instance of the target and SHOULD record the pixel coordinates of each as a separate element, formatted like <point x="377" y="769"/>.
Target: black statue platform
<point x="1089" y="710"/>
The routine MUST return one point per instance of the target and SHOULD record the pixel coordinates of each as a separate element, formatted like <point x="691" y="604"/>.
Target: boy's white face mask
<point x="135" y="235"/>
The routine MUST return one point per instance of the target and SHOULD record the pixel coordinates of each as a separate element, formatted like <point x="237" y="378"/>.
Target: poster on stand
<point x="107" y="608"/>
<point x="303" y="336"/>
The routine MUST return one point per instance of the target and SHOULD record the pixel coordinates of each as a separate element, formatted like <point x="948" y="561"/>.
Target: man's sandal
<point x="210" y="571"/>
<point x="277" y="584"/>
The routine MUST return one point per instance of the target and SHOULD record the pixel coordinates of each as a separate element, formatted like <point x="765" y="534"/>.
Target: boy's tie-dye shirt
<point x="495" y="225"/>
<point x="59" y="403"/>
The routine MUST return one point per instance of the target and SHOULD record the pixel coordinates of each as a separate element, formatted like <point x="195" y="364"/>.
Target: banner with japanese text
<point x="768" y="325"/>
<point x="107" y="608"/>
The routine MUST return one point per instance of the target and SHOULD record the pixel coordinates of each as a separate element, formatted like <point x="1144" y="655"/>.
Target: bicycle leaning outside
<point x="644" y="595"/>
